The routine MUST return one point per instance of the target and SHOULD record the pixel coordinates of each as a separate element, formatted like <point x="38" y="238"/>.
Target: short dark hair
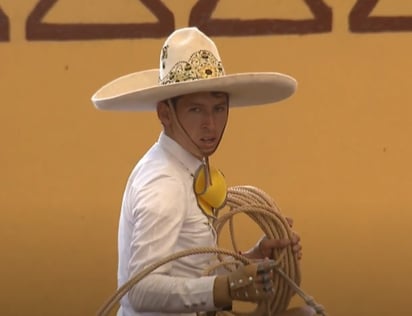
<point x="174" y="100"/>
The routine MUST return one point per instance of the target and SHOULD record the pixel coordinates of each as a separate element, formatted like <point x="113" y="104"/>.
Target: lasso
<point x="260" y="208"/>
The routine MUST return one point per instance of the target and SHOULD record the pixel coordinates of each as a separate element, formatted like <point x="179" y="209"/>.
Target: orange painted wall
<point x="336" y="157"/>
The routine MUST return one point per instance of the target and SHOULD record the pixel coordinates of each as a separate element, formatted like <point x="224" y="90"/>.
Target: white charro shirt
<point x="159" y="217"/>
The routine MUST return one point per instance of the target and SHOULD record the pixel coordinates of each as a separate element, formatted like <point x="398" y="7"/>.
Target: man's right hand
<point x="252" y="283"/>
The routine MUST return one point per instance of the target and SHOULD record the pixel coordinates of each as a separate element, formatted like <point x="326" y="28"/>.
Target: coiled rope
<point x="260" y="208"/>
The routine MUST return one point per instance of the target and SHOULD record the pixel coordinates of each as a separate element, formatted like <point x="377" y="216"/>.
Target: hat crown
<point x="188" y="54"/>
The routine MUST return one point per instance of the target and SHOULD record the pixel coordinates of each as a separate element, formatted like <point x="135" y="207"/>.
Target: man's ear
<point x="163" y="113"/>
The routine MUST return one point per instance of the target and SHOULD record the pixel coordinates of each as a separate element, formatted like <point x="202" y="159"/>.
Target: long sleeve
<point x="160" y="217"/>
<point x="173" y="294"/>
<point x="159" y="213"/>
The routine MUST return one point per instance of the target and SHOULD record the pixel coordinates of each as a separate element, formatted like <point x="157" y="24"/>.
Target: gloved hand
<point x="251" y="283"/>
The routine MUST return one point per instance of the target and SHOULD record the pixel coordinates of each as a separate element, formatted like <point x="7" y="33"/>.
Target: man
<point x="165" y="208"/>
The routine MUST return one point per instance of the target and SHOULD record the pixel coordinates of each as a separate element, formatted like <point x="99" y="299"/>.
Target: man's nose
<point x="209" y="120"/>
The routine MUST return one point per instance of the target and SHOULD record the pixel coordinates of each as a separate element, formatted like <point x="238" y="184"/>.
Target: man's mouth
<point x="208" y="140"/>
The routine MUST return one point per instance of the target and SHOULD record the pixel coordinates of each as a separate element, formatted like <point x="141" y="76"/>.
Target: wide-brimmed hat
<point x="189" y="63"/>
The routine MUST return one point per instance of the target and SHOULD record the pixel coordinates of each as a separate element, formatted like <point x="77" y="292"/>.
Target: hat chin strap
<point x="194" y="149"/>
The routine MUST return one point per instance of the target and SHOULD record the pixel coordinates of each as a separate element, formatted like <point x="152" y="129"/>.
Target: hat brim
<point x="140" y="91"/>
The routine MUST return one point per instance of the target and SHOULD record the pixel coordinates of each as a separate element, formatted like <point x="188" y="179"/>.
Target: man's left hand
<point x="265" y="246"/>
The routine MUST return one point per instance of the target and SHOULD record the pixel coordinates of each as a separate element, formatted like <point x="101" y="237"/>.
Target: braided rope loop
<point x="261" y="208"/>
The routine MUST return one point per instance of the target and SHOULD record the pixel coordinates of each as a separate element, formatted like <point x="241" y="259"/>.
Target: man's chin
<point x="208" y="151"/>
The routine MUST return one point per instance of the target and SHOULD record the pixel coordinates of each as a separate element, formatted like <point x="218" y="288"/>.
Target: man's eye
<point x="194" y="109"/>
<point x="221" y="108"/>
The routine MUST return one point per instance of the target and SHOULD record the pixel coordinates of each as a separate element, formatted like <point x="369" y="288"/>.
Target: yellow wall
<point x="336" y="157"/>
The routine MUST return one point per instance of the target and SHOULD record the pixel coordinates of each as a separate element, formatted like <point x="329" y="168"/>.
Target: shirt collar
<point x="189" y="161"/>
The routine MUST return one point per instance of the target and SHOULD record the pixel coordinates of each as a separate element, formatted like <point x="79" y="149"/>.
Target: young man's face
<point x="203" y="116"/>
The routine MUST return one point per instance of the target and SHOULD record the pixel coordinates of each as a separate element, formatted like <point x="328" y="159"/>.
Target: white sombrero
<point x="190" y="62"/>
